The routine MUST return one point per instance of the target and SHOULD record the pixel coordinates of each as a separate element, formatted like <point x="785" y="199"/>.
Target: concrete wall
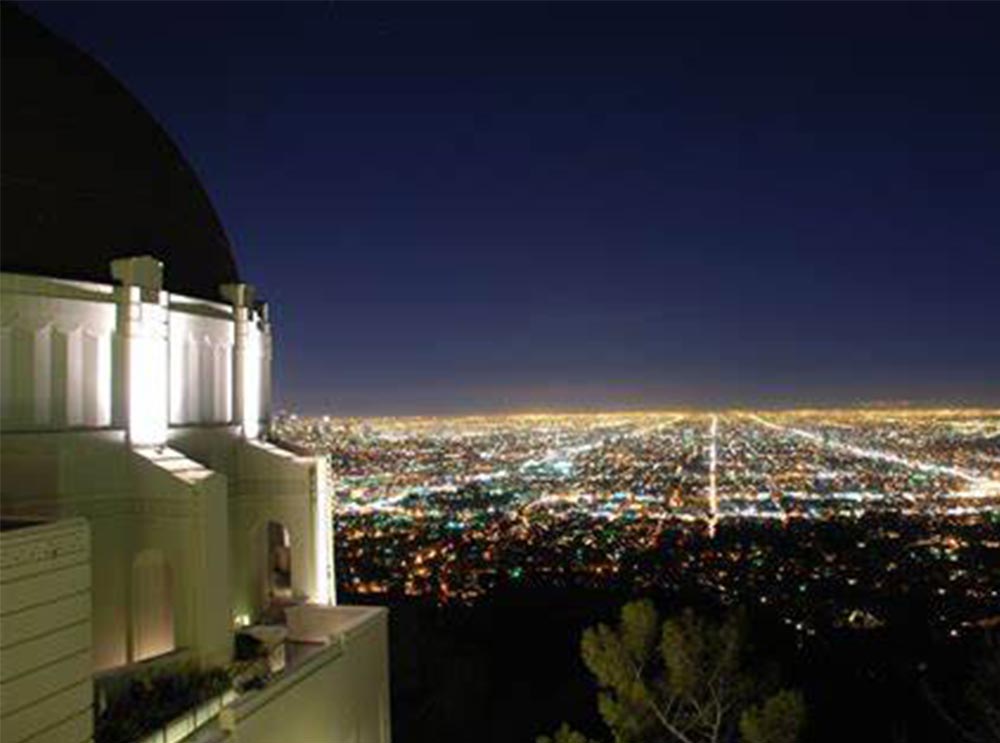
<point x="201" y="363"/>
<point x="136" y="502"/>
<point x="56" y="343"/>
<point x="340" y="696"/>
<point x="140" y="411"/>
<point x="62" y="364"/>
<point x="268" y="484"/>
<point x="88" y="369"/>
<point x="45" y="656"/>
<point x="184" y="515"/>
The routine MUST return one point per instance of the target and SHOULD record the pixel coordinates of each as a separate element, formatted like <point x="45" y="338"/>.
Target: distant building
<point x="147" y="518"/>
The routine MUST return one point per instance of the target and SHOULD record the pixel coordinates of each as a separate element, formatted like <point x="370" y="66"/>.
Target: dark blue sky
<point x="465" y="206"/>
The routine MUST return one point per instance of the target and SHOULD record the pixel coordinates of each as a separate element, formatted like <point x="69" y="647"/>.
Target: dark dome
<point x="89" y="176"/>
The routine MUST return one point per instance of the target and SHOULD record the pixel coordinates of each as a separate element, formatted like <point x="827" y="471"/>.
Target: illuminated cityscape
<point x="835" y="518"/>
<point x="559" y="372"/>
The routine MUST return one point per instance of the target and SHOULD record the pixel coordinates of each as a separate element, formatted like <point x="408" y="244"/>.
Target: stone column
<point x="143" y="389"/>
<point x="246" y="360"/>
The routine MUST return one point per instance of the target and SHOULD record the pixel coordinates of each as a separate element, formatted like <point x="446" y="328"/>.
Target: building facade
<point x="135" y="377"/>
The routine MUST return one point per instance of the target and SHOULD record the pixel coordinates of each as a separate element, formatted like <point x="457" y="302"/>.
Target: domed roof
<point x="89" y="176"/>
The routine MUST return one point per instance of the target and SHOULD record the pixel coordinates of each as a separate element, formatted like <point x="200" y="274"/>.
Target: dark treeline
<point x="509" y="668"/>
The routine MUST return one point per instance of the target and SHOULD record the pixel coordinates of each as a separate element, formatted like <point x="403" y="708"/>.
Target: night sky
<point x="466" y="207"/>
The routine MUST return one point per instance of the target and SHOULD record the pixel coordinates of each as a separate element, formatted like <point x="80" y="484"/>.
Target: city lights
<point x="808" y="511"/>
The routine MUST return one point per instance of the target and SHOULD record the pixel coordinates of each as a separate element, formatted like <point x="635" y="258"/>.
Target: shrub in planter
<point x="151" y="700"/>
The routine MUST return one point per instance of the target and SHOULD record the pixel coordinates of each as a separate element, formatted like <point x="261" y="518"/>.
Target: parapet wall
<point x="340" y="693"/>
<point x="63" y="366"/>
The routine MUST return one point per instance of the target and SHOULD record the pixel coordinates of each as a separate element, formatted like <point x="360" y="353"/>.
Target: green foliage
<point x="779" y="719"/>
<point x="151" y="700"/>
<point x="618" y="659"/>
<point x="639" y="628"/>
<point x="684" y="681"/>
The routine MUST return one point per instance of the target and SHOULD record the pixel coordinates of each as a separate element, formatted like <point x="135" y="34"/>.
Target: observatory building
<point x="151" y="531"/>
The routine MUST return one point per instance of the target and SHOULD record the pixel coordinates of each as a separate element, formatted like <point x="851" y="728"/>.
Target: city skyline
<point x="463" y="208"/>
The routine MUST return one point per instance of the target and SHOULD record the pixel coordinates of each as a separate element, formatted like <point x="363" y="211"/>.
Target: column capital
<point x="238" y="295"/>
<point x="143" y="271"/>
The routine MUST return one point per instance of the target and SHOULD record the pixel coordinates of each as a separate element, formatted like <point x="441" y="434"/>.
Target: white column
<point x="143" y="337"/>
<point x="325" y="585"/>
<point x="247" y="360"/>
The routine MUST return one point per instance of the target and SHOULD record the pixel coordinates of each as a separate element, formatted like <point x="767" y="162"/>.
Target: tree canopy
<point x="683" y="681"/>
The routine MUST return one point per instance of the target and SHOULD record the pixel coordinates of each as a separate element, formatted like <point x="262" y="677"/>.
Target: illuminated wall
<point x="340" y="694"/>
<point x="137" y="502"/>
<point x="56" y="354"/>
<point x="152" y="606"/>
<point x="143" y="411"/>
<point x="201" y="363"/>
<point x="80" y="355"/>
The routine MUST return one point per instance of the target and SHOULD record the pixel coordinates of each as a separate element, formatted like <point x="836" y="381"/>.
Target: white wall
<point x="340" y="697"/>
<point x="45" y="659"/>
<point x="183" y="513"/>
<point x="132" y="503"/>
<point x="201" y="365"/>
<point x="56" y="352"/>
<point x="79" y="361"/>
<point x="61" y="365"/>
<point x="80" y="374"/>
<point x="267" y="484"/>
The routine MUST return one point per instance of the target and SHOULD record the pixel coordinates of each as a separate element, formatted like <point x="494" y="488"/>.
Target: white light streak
<point x="713" y="462"/>
<point x="981" y="487"/>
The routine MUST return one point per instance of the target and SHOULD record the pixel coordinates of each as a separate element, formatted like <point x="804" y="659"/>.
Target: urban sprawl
<point x="833" y="518"/>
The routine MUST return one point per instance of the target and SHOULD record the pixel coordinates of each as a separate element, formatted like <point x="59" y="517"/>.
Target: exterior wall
<point x="185" y="517"/>
<point x="201" y="363"/>
<point x="269" y="484"/>
<point x="86" y="369"/>
<point x="63" y="363"/>
<point x="140" y="411"/>
<point x="55" y="476"/>
<point x="135" y="502"/>
<point x="339" y="696"/>
<point x="45" y="656"/>
<point x="56" y="352"/>
<point x="273" y="485"/>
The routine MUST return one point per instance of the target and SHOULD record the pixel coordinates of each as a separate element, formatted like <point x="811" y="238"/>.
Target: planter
<point x="182" y="726"/>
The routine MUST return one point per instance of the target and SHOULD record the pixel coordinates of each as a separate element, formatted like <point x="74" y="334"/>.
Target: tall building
<point x="147" y="518"/>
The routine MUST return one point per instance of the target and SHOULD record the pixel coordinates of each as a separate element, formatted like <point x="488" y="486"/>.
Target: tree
<point x="777" y="720"/>
<point x="565" y="734"/>
<point x="684" y="681"/>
